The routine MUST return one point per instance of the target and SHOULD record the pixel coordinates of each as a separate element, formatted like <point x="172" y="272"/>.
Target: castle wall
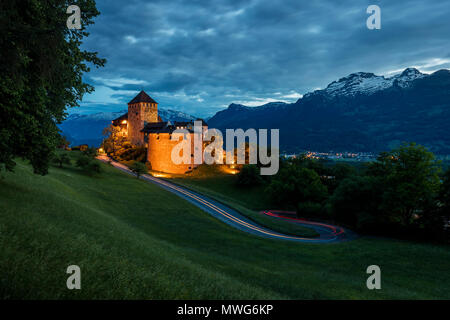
<point x="159" y="153"/>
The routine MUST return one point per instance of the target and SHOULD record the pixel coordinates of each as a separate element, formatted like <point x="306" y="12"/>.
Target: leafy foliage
<point x="42" y="77"/>
<point x="138" y="168"/>
<point x="249" y="176"/>
<point x="356" y="201"/>
<point x="444" y="194"/>
<point x="410" y="180"/>
<point x="90" y="152"/>
<point x="401" y="193"/>
<point x="88" y="164"/>
<point x="113" y="139"/>
<point x="61" y="158"/>
<point x="295" y="184"/>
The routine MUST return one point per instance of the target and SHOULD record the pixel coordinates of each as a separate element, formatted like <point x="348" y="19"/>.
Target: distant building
<point x="144" y="127"/>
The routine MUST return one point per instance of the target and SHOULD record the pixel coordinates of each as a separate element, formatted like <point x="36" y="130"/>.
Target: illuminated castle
<point x="143" y="127"/>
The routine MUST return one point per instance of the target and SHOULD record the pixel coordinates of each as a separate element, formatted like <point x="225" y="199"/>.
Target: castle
<point x="144" y="127"/>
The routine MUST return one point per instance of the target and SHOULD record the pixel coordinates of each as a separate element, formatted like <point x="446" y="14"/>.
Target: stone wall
<point x="138" y="115"/>
<point x="150" y="112"/>
<point x="159" y="154"/>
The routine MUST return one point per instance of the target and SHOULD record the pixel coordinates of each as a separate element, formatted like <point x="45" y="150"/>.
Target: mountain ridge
<point x="364" y="112"/>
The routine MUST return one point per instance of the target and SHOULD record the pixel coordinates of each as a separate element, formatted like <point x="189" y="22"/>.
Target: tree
<point x="88" y="164"/>
<point x="410" y="181"/>
<point x="293" y="185"/>
<point x="356" y="201"/>
<point x="61" y="158"/>
<point x="138" y="168"/>
<point x="338" y="173"/>
<point x="42" y="75"/>
<point x="113" y="140"/>
<point x="444" y="194"/>
<point x="249" y="176"/>
<point x="90" y="152"/>
<point x="63" y="143"/>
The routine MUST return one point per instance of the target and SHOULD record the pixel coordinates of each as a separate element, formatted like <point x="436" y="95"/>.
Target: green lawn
<point x="134" y="240"/>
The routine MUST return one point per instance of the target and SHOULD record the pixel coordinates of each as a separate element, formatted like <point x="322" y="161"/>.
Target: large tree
<point x="41" y="72"/>
<point x="294" y="185"/>
<point x="444" y="194"/>
<point x="410" y="181"/>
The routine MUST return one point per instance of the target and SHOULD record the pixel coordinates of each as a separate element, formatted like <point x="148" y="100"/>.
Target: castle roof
<point x="167" y="127"/>
<point x="159" y="127"/>
<point x="142" y="97"/>
<point x="120" y="119"/>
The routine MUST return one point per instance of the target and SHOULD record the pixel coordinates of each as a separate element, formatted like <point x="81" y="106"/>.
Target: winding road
<point x="327" y="233"/>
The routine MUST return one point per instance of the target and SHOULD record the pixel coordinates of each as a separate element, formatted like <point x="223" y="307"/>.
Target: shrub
<point x="138" y="168"/>
<point x="90" y="152"/>
<point x="61" y="158"/>
<point x="88" y="164"/>
<point x="93" y="167"/>
<point x="129" y="153"/>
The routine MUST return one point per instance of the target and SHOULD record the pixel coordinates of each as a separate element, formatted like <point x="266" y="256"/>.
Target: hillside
<point x="133" y="240"/>
<point x="360" y="112"/>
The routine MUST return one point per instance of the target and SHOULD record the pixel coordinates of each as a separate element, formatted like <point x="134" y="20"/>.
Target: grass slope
<point x="134" y="240"/>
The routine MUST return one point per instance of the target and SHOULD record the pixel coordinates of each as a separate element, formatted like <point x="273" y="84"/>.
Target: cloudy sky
<point x="198" y="56"/>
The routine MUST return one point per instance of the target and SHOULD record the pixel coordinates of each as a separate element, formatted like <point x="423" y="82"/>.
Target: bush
<point x="88" y="164"/>
<point x="93" y="167"/>
<point x="90" y="152"/>
<point x="61" y="158"/>
<point x="129" y="152"/>
<point x="249" y="176"/>
<point x="138" y="168"/>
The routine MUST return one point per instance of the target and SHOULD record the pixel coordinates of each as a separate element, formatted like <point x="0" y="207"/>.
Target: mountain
<point x="369" y="83"/>
<point x="360" y="112"/>
<point x="87" y="128"/>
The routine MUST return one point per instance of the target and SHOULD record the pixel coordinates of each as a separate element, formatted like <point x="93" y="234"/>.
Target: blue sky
<point x="199" y="56"/>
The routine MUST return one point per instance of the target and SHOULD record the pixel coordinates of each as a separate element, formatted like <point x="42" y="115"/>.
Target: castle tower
<point x="141" y="110"/>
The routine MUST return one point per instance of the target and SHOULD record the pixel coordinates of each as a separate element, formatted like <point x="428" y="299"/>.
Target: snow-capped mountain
<point x="360" y="112"/>
<point x="87" y="128"/>
<point x="173" y="115"/>
<point x="95" y="116"/>
<point x="368" y="83"/>
<point x="406" y="77"/>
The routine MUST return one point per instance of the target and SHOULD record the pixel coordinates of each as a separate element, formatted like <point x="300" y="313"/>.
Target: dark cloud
<point x="199" y="56"/>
